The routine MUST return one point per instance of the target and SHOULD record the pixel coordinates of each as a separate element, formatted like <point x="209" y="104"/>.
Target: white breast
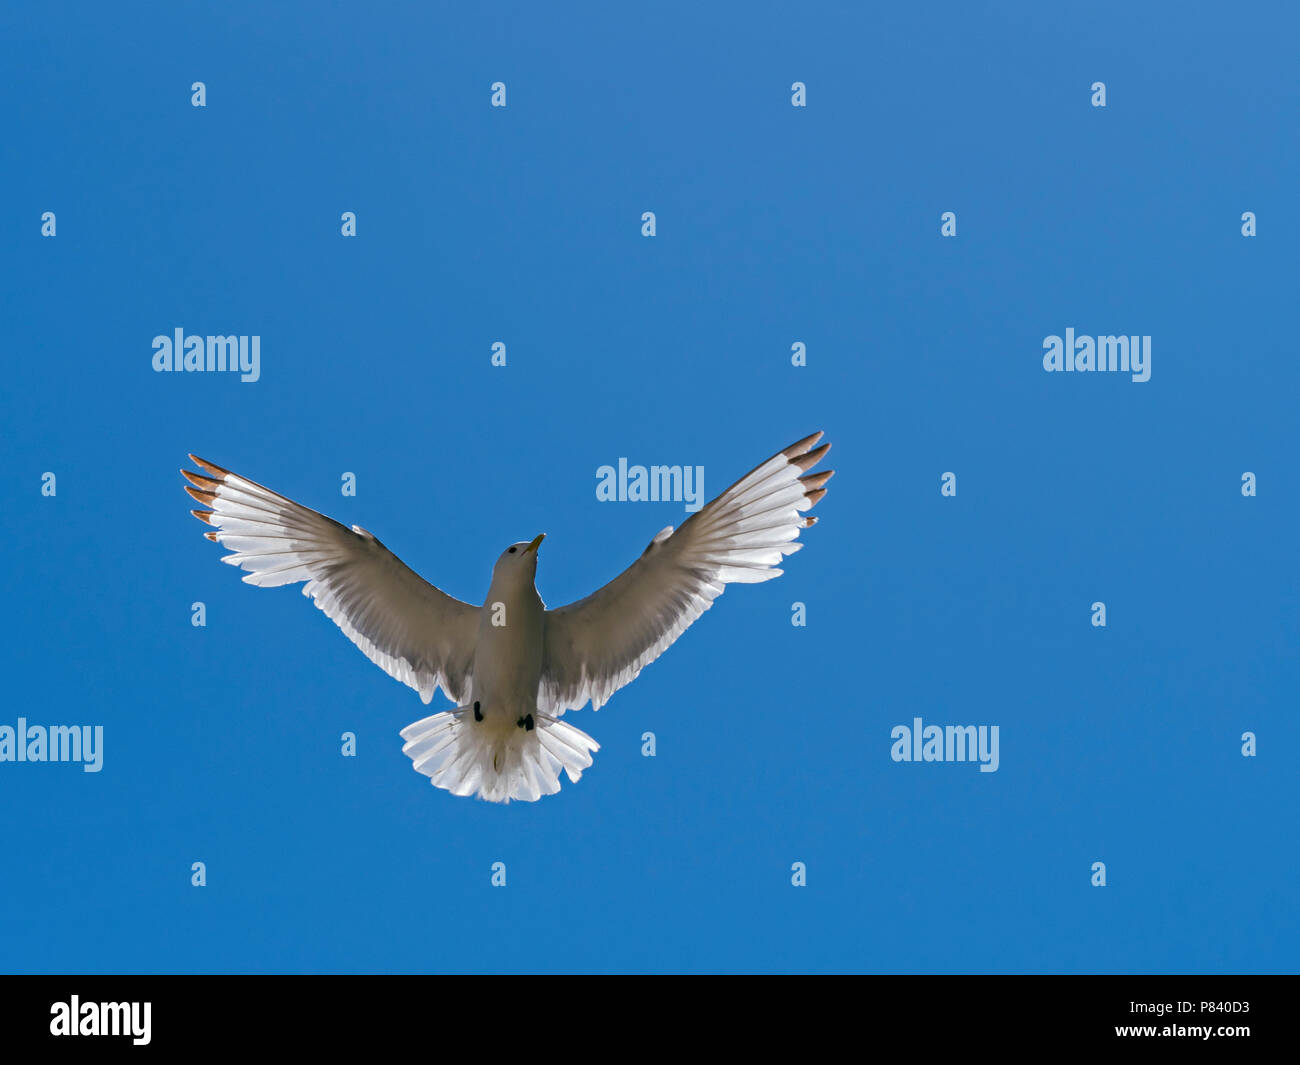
<point x="508" y="657"/>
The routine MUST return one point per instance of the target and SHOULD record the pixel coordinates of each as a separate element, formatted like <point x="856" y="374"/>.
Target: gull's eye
<point x="512" y="550"/>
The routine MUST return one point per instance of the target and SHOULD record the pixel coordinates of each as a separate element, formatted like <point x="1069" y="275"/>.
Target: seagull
<point x="511" y="666"/>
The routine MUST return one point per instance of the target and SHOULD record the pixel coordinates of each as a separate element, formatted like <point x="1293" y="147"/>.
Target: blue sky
<point x="775" y="225"/>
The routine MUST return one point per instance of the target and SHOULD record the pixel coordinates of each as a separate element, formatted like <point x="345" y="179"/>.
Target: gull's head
<point x="520" y="559"/>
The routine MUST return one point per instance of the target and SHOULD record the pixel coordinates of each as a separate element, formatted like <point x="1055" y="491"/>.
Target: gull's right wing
<point x="411" y="630"/>
<point x="598" y="644"/>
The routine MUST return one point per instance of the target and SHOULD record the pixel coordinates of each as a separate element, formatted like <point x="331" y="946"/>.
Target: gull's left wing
<point x="411" y="630"/>
<point x="595" y="646"/>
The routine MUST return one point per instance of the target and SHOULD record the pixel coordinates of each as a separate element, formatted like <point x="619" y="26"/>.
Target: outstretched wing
<point x="406" y="626"/>
<point x="598" y="644"/>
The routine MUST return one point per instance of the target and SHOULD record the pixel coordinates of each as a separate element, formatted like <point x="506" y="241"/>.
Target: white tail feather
<point x="464" y="759"/>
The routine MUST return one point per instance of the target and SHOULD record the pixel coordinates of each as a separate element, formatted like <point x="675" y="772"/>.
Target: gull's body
<point x="512" y="666"/>
<point x="508" y="656"/>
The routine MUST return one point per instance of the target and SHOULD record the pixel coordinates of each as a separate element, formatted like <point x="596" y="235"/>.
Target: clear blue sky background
<point x="775" y="225"/>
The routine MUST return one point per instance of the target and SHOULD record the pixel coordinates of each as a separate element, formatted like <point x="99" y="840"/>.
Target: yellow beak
<point x="535" y="544"/>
